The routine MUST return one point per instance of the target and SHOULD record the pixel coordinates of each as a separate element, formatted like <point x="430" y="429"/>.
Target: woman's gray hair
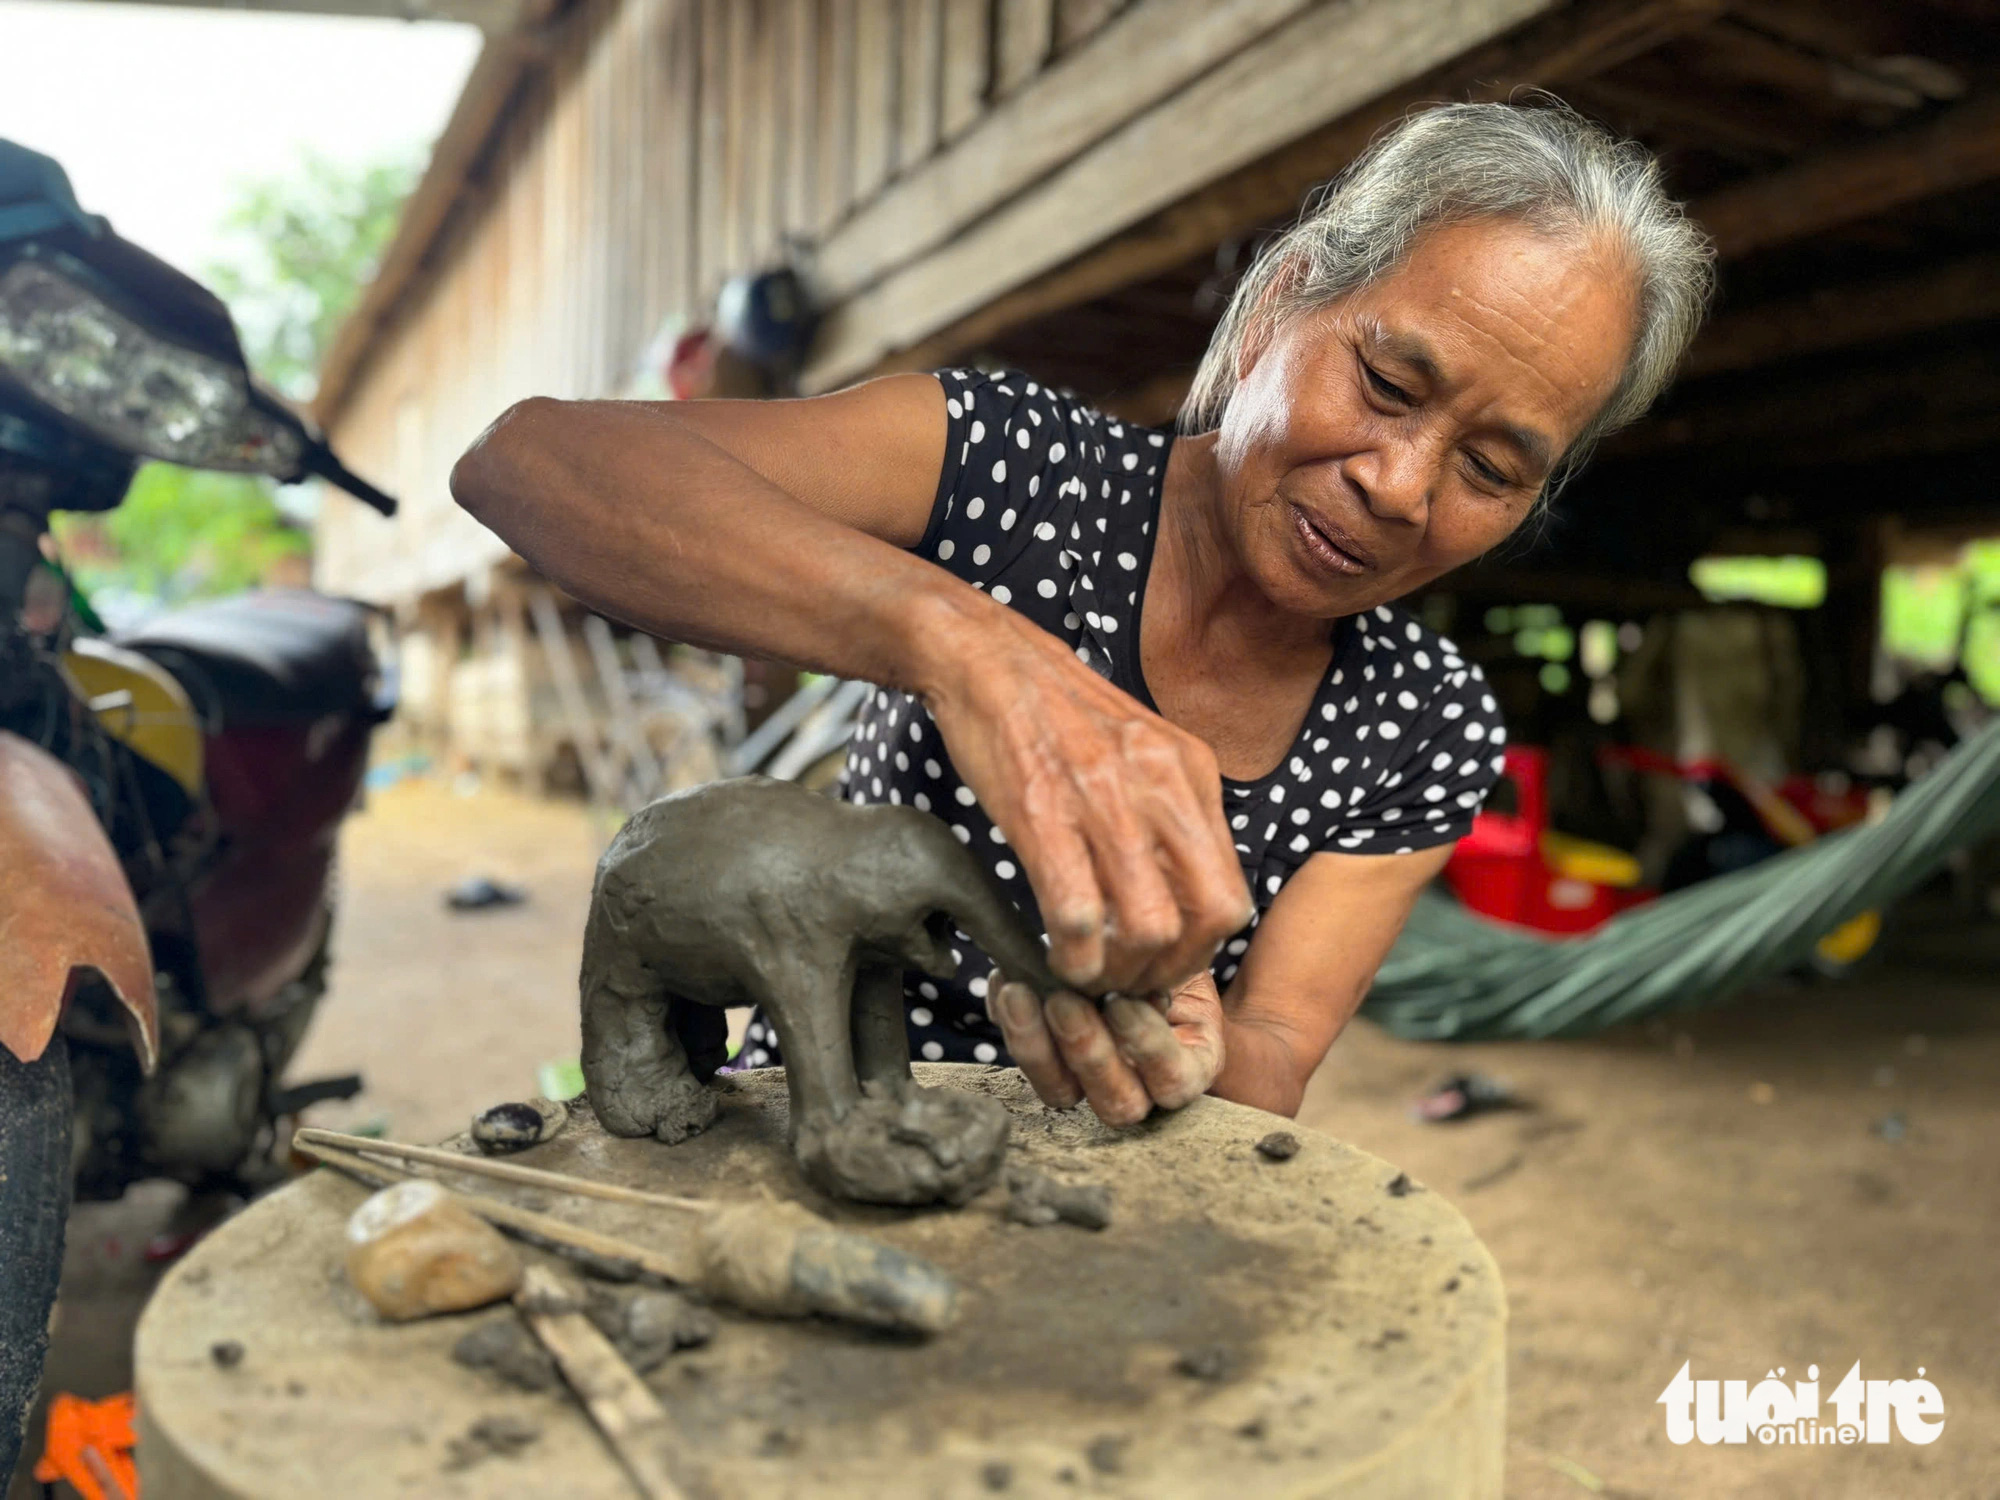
<point x="1541" y="163"/>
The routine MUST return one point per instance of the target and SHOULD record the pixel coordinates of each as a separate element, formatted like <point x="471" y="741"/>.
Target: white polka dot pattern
<point x="1048" y="506"/>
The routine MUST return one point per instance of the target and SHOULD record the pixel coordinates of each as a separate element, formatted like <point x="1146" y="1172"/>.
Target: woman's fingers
<point x="1199" y="860"/>
<point x="1017" y="1011"/>
<point x="1143" y="917"/>
<point x="1112" y="1085"/>
<point x="1126" y="1059"/>
<point x="1175" y="1069"/>
<point x="1065" y="880"/>
<point x="1115" y="813"/>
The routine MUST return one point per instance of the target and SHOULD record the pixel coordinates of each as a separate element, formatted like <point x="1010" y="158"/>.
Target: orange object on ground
<point x="89" y="1447"/>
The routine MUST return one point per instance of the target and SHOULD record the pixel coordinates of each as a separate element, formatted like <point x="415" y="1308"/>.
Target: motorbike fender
<point x="66" y="910"/>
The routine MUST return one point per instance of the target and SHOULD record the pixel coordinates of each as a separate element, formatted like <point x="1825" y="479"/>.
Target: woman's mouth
<point x="1332" y="549"/>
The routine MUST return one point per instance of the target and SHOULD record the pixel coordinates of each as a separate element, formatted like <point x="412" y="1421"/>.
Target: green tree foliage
<point x="305" y="244"/>
<point x="182" y="534"/>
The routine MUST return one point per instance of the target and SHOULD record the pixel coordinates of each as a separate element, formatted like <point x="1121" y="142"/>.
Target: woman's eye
<point x="1485" y="472"/>
<point x="1388" y="390"/>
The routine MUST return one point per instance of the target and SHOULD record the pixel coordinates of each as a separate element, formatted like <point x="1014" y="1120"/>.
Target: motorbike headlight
<point x="129" y="387"/>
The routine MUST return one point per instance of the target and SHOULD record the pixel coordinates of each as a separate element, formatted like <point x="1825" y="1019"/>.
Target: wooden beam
<point x="877" y="93"/>
<point x="712" y="260"/>
<point x="801" y="109"/>
<point x="1323" y="65"/>
<point x="1751" y="132"/>
<point x="743" y="133"/>
<point x="922" y="43"/>
<point x="834" y="135"/>
<point x="1826" y="406"/>
<point x="1077" y="19"/>
<point x="966" y="65"/>
<point x="1574" y="42"/>
<point x="1822" y="83"/>
<point x="504" y="63"/>
<point x="1023" y="32"/>
<point x="1877" y="35"/>
<point x="1842" y="317"/>
<point x="492" y="16"/>
<point x="1838" y="449"/>
<point x="1145" y="55"/>
<point x="764" y="134"/>
<point x="1958" y="149"/>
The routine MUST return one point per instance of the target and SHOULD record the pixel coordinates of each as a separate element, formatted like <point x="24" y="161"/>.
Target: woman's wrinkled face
<point x="1390" y="437"/>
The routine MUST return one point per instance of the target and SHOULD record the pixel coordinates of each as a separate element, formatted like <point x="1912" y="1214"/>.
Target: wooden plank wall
<point x="662" y="146"/>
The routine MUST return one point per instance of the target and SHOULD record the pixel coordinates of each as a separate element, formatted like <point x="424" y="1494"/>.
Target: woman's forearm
<point x="1272" y="1053"/>
<point x="1261" y="1067"/>
<point x="632" y="511"/>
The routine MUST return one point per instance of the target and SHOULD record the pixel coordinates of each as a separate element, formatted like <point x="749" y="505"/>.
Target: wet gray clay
<point x="757" y="892"/>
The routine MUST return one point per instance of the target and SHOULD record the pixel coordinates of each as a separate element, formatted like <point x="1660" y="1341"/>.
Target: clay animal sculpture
<point x="757" y="892"/>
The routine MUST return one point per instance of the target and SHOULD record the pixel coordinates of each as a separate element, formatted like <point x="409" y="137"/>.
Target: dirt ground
<point x="1809" y="1176"/>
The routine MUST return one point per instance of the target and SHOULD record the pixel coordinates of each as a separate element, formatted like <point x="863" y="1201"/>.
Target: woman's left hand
<point x="1126" y="1058"/>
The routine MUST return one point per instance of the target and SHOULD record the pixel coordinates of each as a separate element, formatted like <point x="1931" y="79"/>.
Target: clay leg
<point x="635" y="1070"/>
<point x="808" y="1004"/>
<point x="881" y="1031"/>
<point x="899" y="1143"/>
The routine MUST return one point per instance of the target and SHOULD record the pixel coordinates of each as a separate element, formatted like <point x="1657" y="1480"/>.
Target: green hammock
<point x="1454" y="976"/>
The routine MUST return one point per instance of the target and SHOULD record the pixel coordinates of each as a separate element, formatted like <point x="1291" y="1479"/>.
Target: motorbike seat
<point x="274" y="656"/>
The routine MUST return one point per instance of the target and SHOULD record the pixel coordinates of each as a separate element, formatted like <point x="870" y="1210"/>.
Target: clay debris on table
<point x="644" y="1325"/>
<point x="499" y="1436"/>
<point x="1279" y="1145"/>
<point x="1035" y="1198"/>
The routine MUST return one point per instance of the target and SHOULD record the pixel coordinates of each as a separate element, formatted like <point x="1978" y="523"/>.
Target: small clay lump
<point x="1279" y="1145"/>
<point x="515" y="1126"/>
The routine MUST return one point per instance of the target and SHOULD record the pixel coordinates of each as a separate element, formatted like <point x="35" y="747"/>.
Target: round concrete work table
<point x="1246" y="1327"/>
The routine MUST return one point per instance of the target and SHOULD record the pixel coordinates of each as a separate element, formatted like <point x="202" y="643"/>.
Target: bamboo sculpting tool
<point x="778" y="1259"/>
<point x="627" y="1414"/>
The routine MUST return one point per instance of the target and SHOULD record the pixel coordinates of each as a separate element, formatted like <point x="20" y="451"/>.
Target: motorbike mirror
<point x="131" y="352"/>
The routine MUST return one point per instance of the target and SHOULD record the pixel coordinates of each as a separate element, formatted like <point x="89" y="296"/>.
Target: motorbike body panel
<point x="291" y="688"/>
<point x="141" y="703"/>
<point x="279" y="792"/>
<point x="66" y="909"/>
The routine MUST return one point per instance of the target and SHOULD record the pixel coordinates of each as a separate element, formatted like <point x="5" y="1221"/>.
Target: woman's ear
<point x="1265" y="318"/>
<point x="1256" y="339"/>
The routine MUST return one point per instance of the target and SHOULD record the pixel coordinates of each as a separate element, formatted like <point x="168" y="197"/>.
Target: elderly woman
<point x="1155" y="681"/>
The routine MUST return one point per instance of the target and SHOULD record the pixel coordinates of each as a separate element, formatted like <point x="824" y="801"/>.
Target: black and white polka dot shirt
<point x="1050" y="507"/>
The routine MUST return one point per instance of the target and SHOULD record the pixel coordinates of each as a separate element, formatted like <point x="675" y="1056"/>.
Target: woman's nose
<point x="1396" y="481"/>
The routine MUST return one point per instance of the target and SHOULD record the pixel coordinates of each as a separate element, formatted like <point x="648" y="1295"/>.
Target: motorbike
<point x="169" y="797"/>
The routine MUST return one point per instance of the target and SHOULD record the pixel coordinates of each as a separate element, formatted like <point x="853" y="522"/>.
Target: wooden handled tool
<point x="627" y="1413"/>
<point x="778" y="1259"/>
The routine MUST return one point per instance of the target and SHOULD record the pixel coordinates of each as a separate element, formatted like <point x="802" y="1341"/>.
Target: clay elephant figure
<point x="757" y="892"/>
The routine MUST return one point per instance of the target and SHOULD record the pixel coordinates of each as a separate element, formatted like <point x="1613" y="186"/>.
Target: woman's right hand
<point x="1116" y="815"/>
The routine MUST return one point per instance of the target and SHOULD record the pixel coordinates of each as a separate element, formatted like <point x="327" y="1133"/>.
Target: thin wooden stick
<point x="626" y="1412"/>
<point x="842" y="1275"/>
<point x="590" y="754"/>
<point x="502" y="1171"/>
<point x="681" y="1262"/>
